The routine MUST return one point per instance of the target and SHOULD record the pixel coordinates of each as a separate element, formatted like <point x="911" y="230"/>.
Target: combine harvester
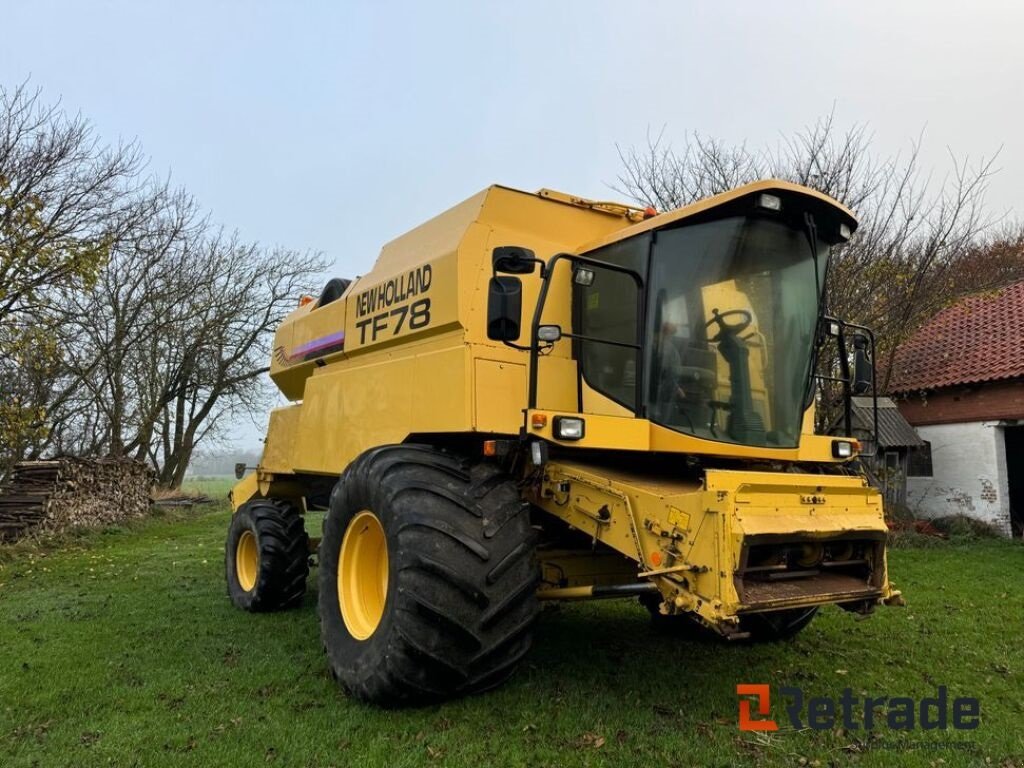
<point x="540" y="397"/>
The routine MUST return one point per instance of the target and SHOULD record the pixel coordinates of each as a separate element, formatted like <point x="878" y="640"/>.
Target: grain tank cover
<point x="431" y="280"/>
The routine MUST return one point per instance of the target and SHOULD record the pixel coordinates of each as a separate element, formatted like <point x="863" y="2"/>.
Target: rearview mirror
<point x="504" y="308"/>
<point x="863" y="370"/>
<point x="513" y="260"/>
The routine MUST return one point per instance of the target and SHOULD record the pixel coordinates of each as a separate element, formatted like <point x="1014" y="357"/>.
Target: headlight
<point x="584" y="276"/>
<point x="842" y="449"/>
<point x="569" y="428"/>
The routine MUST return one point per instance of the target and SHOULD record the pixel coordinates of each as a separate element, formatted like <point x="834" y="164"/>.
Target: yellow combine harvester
<point x="644" y="429"/>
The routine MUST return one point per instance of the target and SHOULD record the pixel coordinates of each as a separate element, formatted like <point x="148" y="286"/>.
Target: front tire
<point x="427" y="578"/>
<point x="266" y="557"/>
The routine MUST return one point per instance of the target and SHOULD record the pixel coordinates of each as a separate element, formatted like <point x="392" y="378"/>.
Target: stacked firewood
<point x="63" y="493"/>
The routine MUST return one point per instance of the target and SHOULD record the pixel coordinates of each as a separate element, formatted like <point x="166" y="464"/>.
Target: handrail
<point x="846" y="379"/>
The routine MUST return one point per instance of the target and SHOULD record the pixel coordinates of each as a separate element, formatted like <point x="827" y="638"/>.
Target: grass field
<point x="122" y="649"/>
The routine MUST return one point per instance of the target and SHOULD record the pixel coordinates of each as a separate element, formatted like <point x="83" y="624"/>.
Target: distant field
<point x="123" y="650"/>
<point x="214" y="486"/>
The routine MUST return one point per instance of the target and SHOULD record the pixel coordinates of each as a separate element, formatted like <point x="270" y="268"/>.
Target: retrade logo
<point x="820" y="713"/>
<point x="763" y="698"/>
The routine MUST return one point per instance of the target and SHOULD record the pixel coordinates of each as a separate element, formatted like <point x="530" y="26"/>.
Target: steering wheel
<point x="733" y="329"/>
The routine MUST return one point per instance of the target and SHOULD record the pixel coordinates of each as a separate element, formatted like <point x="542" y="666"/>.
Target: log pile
<point x="182" y="500"/>
<point x="63" y="493"/>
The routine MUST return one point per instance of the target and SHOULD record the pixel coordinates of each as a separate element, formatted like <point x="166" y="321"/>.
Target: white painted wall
<point x="968" y="474"/>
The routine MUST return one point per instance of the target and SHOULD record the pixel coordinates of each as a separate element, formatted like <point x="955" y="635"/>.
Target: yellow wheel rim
<point x="247" y="561"/>
<point x="363" y="575"/>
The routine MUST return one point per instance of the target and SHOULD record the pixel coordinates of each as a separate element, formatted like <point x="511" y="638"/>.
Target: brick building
<point x="960" y="382"/>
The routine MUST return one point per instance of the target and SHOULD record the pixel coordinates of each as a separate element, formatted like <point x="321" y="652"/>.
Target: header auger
<point x="539" y="397"/>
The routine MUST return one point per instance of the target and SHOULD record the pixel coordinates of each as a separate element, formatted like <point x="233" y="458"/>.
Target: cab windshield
<point x="732" y="308"/>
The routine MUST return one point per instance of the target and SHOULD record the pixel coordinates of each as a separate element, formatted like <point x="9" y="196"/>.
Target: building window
<point x="919" y="462"/>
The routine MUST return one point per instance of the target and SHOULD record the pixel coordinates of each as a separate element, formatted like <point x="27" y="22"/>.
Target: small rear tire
<point x="427" y="581"/>
<point x="266" y="558"/>
<point x="777" y="625"/>
<point x="763" y="627"/>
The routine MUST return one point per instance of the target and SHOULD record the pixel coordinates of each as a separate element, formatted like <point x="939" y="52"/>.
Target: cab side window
<point x="607" y="310"/>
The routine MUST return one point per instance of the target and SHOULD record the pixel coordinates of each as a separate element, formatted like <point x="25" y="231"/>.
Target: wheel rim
<point x="363" y="575"/>
<point x="247" y="560"/>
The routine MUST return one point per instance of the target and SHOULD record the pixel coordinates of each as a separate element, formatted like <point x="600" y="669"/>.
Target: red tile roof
<point x="979" y="339"/>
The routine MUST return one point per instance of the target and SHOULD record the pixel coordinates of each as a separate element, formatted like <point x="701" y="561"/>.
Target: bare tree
<point x="110" y="327"/>
<point x="173" y="340"/>
<point x="61" y="188"/>
<point x="918" y="237"/>
<point x="129" y="325"/>
<point x="62" y="194"/>
<point x="215" y="367"/>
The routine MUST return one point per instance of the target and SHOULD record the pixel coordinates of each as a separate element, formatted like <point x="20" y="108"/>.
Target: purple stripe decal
<point x="316" y="345"/>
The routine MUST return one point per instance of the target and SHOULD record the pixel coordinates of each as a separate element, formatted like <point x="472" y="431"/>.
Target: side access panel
<point x="348" y="410"/>
<point x="500" y="392"/>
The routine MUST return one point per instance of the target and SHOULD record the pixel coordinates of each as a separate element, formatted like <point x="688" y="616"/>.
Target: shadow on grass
<point x="584" y="651"/>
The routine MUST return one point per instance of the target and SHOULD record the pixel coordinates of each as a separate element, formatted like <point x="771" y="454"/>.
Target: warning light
<point x="539" y="420"/>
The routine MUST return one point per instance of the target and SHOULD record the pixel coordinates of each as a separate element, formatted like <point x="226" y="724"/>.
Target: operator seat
<point x="698" y="378"/>
<point x="333" y="291"/>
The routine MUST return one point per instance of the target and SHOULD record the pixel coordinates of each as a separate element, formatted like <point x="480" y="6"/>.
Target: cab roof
<point x="662" y="220"/>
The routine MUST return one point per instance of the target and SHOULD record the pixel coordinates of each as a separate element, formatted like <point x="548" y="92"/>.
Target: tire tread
<point x="464" y="602"/>
<point x="284" y="555"/>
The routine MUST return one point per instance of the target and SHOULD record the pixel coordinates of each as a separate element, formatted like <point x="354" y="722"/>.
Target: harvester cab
<point x="540" y="397"/>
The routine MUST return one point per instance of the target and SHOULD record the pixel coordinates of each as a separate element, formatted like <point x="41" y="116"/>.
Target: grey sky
<point x="337" y="126"/>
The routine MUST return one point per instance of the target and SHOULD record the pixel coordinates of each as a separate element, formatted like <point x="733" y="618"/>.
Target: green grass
<point x="121" y="648"/>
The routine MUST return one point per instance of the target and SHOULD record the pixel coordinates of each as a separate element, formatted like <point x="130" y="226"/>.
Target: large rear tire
<point x="266" y="558"/>
<point x="427" y="577"/>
